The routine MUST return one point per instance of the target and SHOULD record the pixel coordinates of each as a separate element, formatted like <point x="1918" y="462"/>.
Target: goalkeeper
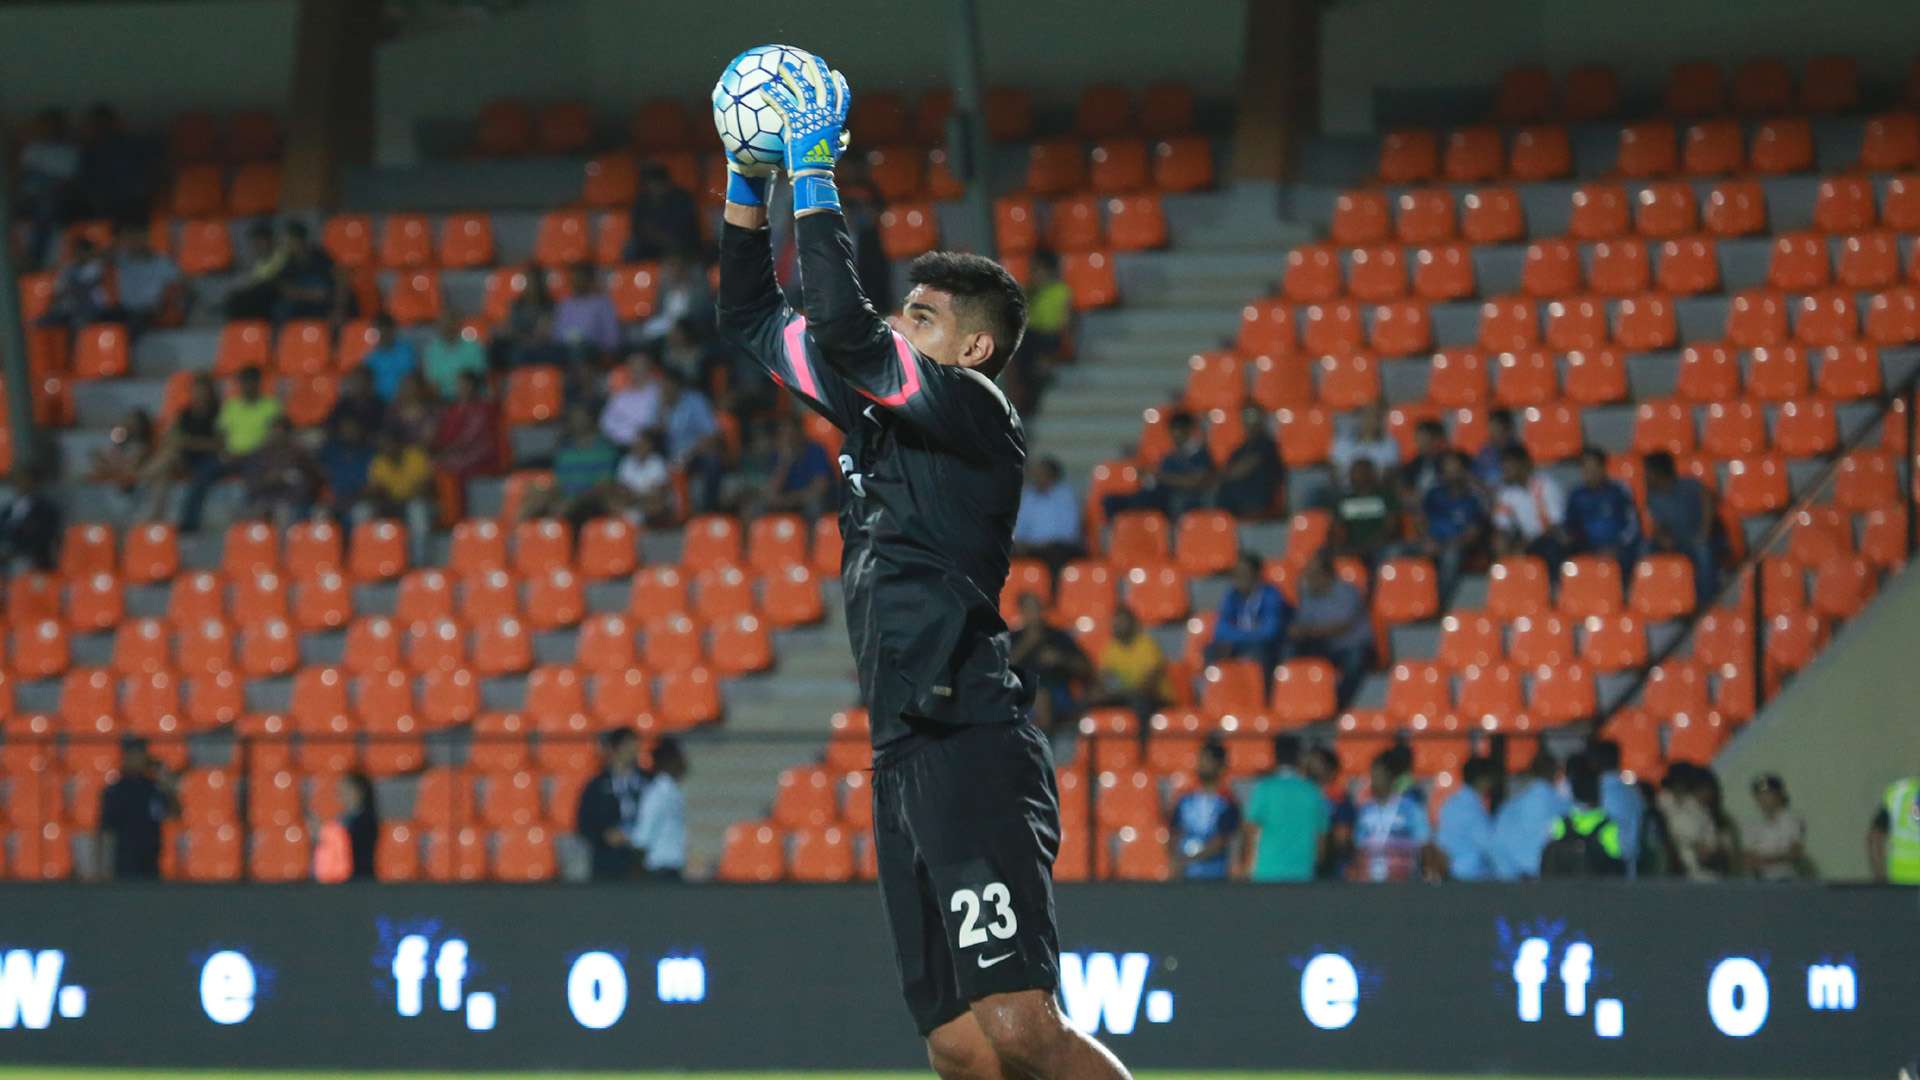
<point x="966" y="816"/>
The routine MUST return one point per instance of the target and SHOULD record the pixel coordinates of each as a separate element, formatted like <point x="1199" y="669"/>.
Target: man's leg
<point x="1032" y="1039"/>
<point x="959" y="1050"/>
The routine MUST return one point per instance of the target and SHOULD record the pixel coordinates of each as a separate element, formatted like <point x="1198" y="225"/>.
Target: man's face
<point x="1499" y="432"/>
<point x="1592" y="472"/>
<point x="930" y="324"/>
<point x="250" y="386"/>
<point x="1382" y="779"/>
<point x="1031" y="613"/>
<point x="1245" y="578"/>
<point x="624" y="753"/>
<point x="1209" y="767"/>
<point x="1452" y="472"/>
<point x="1123" y="625"/>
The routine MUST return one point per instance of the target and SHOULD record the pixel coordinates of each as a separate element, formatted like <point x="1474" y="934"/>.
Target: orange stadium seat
<point x="1599" y="212"/>
<point x="1360" y="217"/>
<point x="1550" y="268"/>
<point x="1890" y="141"/>
<point x="907" y="229"/>
<point x="1443" y="272"/>
<point x="1183" y="163"/>
<point x="1869" y="260"/>
<point x="1376" y="273"/>
<point x="1843" y="204"/>
<point x="1490" y="695"/>
<point x="101" y="351"/>
<point x="1762" y="85"/>
<point x="753" y="852"/>
<point x="1647" y="149"/>
<point x="1900" y="209"/>
<point x="1056" y="166"/>
<point x="505" y="129"/>
<point x="1492" y="215"/>
<point x="1416" y="689"/>
<point x="1782" y="145"/>
<point x="1474" y="153"/>
<point x="406" y="242"/>
<point x="1540" y="152"/>
<point x="1866" y="480"/>
<point x="1517" y="586"/>
<point x="1266" y="329"/>
<point x="1713" y="148"/>
<point x="1508" y="323"/>
<point x="1591" y="92"/>
<point x="466" y="241"/>
<point x="1423" y="216"/>
<point x="1091" y="277"/>
<point x="1620" y="267"/>
<point x="1893" y="316"/>
<point x="1409" y="156"/>
<point x="1736" y="208"/>
<point x="1312" y="273"/>
<point x="1695" y="88"/>
<point x="1578" y="322"/>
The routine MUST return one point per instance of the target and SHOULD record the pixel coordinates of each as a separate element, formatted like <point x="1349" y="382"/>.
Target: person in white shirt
<point x="1530" y="510"/>
<point x="1048" y="525"/>
<point x="645" y="488"/>
<point x="634" y="407"/>
<point x="660" y="835"/>
<point x="1368" y="439"/>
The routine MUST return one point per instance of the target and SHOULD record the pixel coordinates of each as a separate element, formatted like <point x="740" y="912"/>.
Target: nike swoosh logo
<point x="986" y="963"/>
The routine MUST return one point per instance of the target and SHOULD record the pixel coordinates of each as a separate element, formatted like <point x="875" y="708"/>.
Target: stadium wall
<point x="1610" y="980"/>
<point x="1372" y="48"/>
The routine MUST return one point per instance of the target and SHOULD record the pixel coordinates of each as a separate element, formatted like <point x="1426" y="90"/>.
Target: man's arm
<point x="754" y="317"/>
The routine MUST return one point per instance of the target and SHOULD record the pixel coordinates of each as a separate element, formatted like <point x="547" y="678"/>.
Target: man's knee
<point x="1023" y="1028"/>
<point x="959" y="1051"/>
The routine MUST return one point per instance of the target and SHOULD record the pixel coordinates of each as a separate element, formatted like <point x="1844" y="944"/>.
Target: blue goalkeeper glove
<point x="812" y="100"/>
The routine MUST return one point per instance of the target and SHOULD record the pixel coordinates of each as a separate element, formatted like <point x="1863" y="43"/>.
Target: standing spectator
<point x="255" y="293"/>
<point x="1330" y="622"/>
<point x="190" y="450"/>
<point x="584" y="323"/>
<point x="1184" y="479"/>
<point x="1682" y="513"/>
<point x="1286" y="822"/>
<point x="1530" y="512"/>
<point x="131" y="811"/>
<point x="1054" y="660"/>
<point x="122" y="465"/>
<point x="683" y="293"/>
<point x="245" y="420"/>
<point x="466" y="442"/>
<point x="451" y="354"/>
<point x="1893" y="838"/>
<point x="1366" y="514"/>
<point x="644" y="488"/>
<point x="583" y="473"/>
<point x="310" y="285"/>
<point x="1430" y="454"/>
<point x="660" y="828"/>
<point x="1453" y="523"/>
<point x="1250" y="481"/>
<point x="282" y="478"/>
<point x="635" y="407"/>
<point x="1132" y="670"/>
<point x="663" y="218"/>
<point x="1621" y="800"/>
<point x="360" y="817"/>
<point x="391" y="359"/>
<point x="1205" y="820"/>
<point x="1253" y="619"/>
<point x="525" y="336"/>
<point x="1321" y="766"/>
<point x="150" y="286"/>
<point x="49" y="167"/>
<point x="610" y="806"/>
<point x="1048" y="525"/>
<point x="1365" y="439"/>
<point x="1601" y="515"/>
<point x="81" y="291"/>
<point x="801" y="478"/>
<point x="115" y="180"/>
<point x="1464" y="833"/>
<point x="360" y="404"/>
<point x="693" y="440"/>
<point x="1583" y="841"/>
<point x="400" y="486"/>
<point x="1776" y="844"/>
<point x="1501" y="437"/>
<point x="30" y="522"/>
<point x="1390" y="824"/>
<point x="1525" y="819"/>
<point x="344" y="459"/>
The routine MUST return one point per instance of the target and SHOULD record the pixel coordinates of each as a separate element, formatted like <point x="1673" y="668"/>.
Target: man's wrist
<point x="814" y="190"/>
<point x="747" y="190"/>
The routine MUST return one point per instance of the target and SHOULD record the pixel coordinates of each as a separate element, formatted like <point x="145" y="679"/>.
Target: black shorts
<point x="965" y="828"/>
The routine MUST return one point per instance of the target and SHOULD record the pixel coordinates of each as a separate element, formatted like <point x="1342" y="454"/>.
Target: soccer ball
<point x="749" y="125"/>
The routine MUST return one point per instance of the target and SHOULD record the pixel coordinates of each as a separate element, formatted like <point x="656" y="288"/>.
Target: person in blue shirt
<point x="1601" y="514"/>
<point x="1205" y="820"/>
<point x="1621" y="800"/>
<point x="1525" y="821"/>
<point x="1502" y="435"/>
<point x="1253" y="619"/>
<point x="1391" y="829"/>
<point x="1464" y="834"/>
<point x="391" y="359"/>
<point x="1454" y="522"/>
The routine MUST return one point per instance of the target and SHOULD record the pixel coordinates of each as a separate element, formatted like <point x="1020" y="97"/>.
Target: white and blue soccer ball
<point x="749" y="125"/>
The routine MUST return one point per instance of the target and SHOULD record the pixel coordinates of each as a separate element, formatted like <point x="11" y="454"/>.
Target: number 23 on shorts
<point x="997" y="903"/>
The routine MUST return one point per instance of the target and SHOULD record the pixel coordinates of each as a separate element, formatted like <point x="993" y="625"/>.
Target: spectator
<point x="282" y="478"/>
<point x="1583" y="842"/>
<point x="525" y="336"/>
<point x="1054" y="660"/>
<point x="1524" y="821"/>
<point x="1530" y="512"/>
<point x="1704" y="841"/>
<point x="1184" y="479"/>
<point x="131" y="811"/>
<point x="452" y="354"/>
<point x="1453" y="523"/>
<point x="245" y="420"/>
<point x="414" y="412"/>
<point x="683" y="293"/>
<point x="1048" y="525"/>
<point x="357" y="403"/>
<point x="707" y="363"/>
<point x="663" y="218"/>
<point x="466" y="442"/>
<point x="1893" y="838"/>
<point x="1321" y="766"/>
<point x="400" y="487"/>
<point x="693" y="440"/>
<point x="344" y="458"/>
<point x="124" y="463"/>
<point x="1132" y="670"/>
<point x="1776" y="844"/>
<point x="645" y="485"/>
<point x="1390" y="824"/>
<point x="1253" y="619"/>
<point x="30" y="523"/>
<point x="1285" y="830"/>
<point x="1464" y="833"/>
<point x="1501" y="437"/>
<point x="1365" y="439"/>
<point x="82" y="292"/>
<point x="391" y="359"/>
<point x="190" y="450"/>
<point x="584" y="324"/>
<point x="1366" y="514"/>
<point x="583" y="473"/>
<point x="1601" y="515"/>
<point x="1330" y="621"/>
<point x="660" y="830"/>
<point x="115" y="180"/>
<point x="1205" y="820"/>
<point x="256" y="291"/>
<point x="1621" y="800"/>
<point x="1430" y="452"/>
<point x="310" y="285"/>
<point x="635" y="406"/>
<point x="151" y="289"/>
<point x="610" y="806"/>
<point x="360" y="817"/>
<point x="1682" y="513"/>
<point x="1049" y="309"/>
<point x="801" y="479"/>
<point x="49" y="167"/>
<point x="1250" y="481"/>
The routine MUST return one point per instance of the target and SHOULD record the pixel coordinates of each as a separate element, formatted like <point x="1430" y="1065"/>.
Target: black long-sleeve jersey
<point x="933" y="461"/>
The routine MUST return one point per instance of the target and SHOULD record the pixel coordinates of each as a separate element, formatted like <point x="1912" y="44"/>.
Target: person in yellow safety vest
<point x="1584" y="841"/>
<point x="1893" y="841"/>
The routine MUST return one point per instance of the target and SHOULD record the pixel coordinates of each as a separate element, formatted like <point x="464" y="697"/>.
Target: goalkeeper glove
<point x="812" y="100"/>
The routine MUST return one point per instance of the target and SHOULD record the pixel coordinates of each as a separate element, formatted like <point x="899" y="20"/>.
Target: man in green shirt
<point x="1286" y="819"/>
<point x="1366" y="513"/>
<point x="450" y="355"/>
<point x="247" y="416"/>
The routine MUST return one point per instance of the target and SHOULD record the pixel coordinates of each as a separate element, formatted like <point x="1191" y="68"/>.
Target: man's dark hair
<point x="1504" y="416"/>
<point x="1583" y="780"/>
<point x="298" y="230"/>
<point x="250" y="376"/>
<point x="1286" y="751"/>
<point x="1180" y="420"/>
<point x="1517" y="455"/>
<point x="617" y="738"/>
<point x="984" y="294"/>
<point x="1251" y="562"/>
<point x="1478" y="769"/>
<point x="1434" y="428"/>
<point x="1660" y="463"/>
<point x="1605" y="755"/>
<point x="667" y="750"/>
<point x="1594" y="454"/>
<point x="1215" y="749"/>
<point x="260" y="230"/>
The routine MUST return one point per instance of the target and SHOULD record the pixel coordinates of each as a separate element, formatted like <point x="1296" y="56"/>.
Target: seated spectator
<point x="1525" y="819"/>
<point x="1430" y="452"/>
<point x="123" y="463"/>
<point x="682" y="294"/>
<point x="1054" y="660"/>
<point x="1182" y="481"/>
<point x="635" y="406"/>
<point x="150" y="286"/>
<point x="664" y="220"/>
<point x="584" y="324"/>
<point x="1705" y="841"/>
<point x="391" y="359"/>
<point x="1391" y="828"/>
<point x="1049" y="310"/>
<point x="1205" y="820"/>
<point x="82" y="290"/>
<point x="281" y="477"/>
<point x="1132" y="671"/>
<point x="1366" y="514"/>
<point x="1776" y="843"/>
<point x="801" y="479"/>
<point x="190" y="449"/>
<point x="1601" y="515"/>
<point x="1463" y="835"/>
<point x="255" y="292"/>
<point x="49" y="195"/>
<point x="1584" y="841"/>
<point x="1530" y="511"/>
<point x="583" y="475"/>
<point x="525" y="336"/>
<point x="400" y="488"/>
<point x="645" y="485"/>
<point x="466" y="442"/>
<point x="1502" y="436"/>
<point x="357" y="403"/>
<point x="451" y="354"/>
<point x="1250" y="480"/>
<point x="1048" y="525"/>
<point x="31" y="523"/>
<point x="1682" y="512"/>
<point x="1365" y="438"/>
<point x="693" y="441"/>
<point x="1330" y="621"/>
<point x="245" y="420"/>
<point x="414" y="412"/>
<point x="706" y="362"/>
<point x="1253" y="620"/>
<point x="344" y="458"/>
<point x="310" y="285"/>
<point x="1453" y="523"/>
<point x="1285" y="827"/>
